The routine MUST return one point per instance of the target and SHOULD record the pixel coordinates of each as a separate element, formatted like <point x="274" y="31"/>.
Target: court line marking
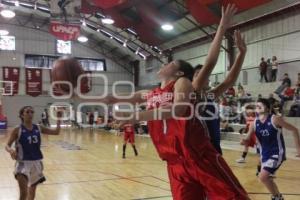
<point x="99" y="180"/>
<point x="158" y="197"/>
<point x="265" y="193"/>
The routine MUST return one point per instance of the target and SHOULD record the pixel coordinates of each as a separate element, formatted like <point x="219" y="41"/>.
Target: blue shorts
<point x="272" y="164"/>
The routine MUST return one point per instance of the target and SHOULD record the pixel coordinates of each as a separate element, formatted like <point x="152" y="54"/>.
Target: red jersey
<point x="128" y="133"/>
<point x="289" y="92"/>
<point x="196" y="170"/>
<point x="173" y="137"/>
<point x="128" y="129"/>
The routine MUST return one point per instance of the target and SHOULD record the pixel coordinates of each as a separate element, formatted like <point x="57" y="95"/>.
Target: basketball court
<point x="120" y="47"/>
<point x="97" y="171"/>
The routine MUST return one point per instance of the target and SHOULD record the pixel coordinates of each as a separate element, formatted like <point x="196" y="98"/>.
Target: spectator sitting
<point x="224" y="109"/>
<point x="295" y="108"/>
<point x="224" y="126"/>
<point x="272" y="100"/>
<point x="242" y="96"/>
<point x="263" y="69"/>
<point x="241" y="92"/>
<point x="230" y="92"/>
<point x="286" y="82"/>
<point x="286" y="96"/>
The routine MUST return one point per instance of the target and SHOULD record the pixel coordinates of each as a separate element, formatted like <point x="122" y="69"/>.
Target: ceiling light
<point x="142" y="55"/>
<point x="167" y="27"/>
<point x="125" y="43"/>
<point x="83" y="22"/>
<point x="82" y="39"/>
<point x="8" y="13"/>
<point x="107" y="21"/>
<point x="17" y="3"/>
<point x="98" y="30"/>
<point x="4" y="32"/>
<point x="132" y="31"/>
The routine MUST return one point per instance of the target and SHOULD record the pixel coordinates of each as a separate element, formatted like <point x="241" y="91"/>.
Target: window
<point x="7" y="43"/>
<point x="93" y="64"/>
<point x="44" y="61"/>
<point x="63" y="47"/>
<point x="40" y="61"/>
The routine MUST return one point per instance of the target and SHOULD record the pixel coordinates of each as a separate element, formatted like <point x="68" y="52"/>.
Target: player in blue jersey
<point x="209" y="111"/>
<point x="268" y="130"/>
<point x="28" y="155"/>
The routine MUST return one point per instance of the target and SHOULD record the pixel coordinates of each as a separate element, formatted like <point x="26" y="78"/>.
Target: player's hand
<point x="240" y="41"/>
<point x="13" y="154"/>
<point x="227" y="15"/>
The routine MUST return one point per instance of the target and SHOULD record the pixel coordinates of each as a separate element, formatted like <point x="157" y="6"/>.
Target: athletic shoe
<point x="241" y="160"/>
<point x="280" y="197"/>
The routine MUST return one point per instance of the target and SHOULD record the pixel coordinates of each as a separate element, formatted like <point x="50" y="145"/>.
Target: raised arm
<point x="12" y="138"/>
<point x="236" y="67"/>
<point x="280" y="122"/>
<point x="214" y="50"/>
<point x="182" y="93"/>
<point x="136" y="97"/>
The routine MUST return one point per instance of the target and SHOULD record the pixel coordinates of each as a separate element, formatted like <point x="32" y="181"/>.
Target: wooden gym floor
<point x="88" y="166"/>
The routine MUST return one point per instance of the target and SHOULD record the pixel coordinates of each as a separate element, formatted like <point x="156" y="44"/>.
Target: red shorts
<point x="252" y="140"/>
<point x="129" y="137"/>
<point x="209" y="176"/>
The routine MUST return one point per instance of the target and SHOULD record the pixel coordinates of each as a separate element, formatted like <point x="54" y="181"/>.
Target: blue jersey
<point x="212" y="120"/>
<point x="29" y="143"/>
<point x="270" y="139"/>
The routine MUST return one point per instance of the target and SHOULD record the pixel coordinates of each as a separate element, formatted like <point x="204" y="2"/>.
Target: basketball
<point x="66" y="69"/>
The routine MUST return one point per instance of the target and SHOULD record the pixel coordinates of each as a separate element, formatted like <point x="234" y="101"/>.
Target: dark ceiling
<point x="138" y="22"/>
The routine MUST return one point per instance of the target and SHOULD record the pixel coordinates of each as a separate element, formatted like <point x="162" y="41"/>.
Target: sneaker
<point x="278" y="197"/>
<point x="257" y="174"/>
<point x="241" y="160"/>
<point x="123" y="156"/>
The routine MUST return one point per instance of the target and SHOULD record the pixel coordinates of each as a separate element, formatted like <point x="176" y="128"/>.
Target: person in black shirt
<point x="263" y="69"/>
<point x="286" y="82"/>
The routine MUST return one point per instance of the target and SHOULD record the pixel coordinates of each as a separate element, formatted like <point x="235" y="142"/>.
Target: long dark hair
<point x="267" y="104"/>
<point x="186" y="68"/>
<point x="21" y="111"/>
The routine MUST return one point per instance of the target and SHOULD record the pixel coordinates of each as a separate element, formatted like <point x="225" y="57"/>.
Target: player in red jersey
<point x="250" y="117"/>
<point x="128" y="130"/>
<point x="196" y="170"/>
